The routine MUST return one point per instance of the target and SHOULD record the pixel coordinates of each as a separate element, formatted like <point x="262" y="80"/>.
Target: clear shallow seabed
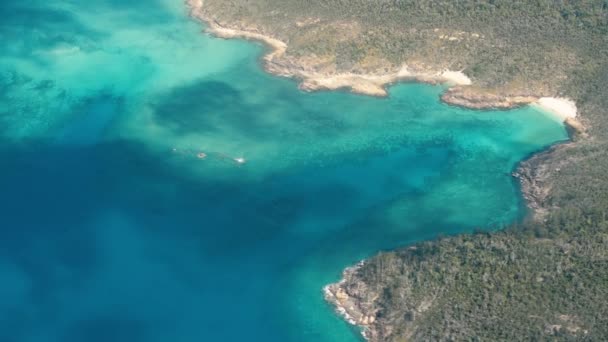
<point x="111" y="229"/>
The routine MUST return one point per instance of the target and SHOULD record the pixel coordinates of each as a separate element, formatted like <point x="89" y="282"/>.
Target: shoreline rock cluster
<point x="351" y="308"/>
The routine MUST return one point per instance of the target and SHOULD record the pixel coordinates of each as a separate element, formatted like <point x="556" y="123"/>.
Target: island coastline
<point x="530" y="172"/>
<point x="460" y="90"/>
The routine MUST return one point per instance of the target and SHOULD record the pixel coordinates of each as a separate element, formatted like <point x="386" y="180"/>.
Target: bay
<point x="127" y="213"/>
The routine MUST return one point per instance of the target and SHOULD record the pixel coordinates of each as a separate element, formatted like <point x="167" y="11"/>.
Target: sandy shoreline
<point x="310" y="80"/>
<point x="562" y="109"/>
<point x="374" y="84"/>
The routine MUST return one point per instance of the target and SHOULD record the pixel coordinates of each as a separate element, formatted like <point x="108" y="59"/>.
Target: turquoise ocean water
<point x="112" y="229"/>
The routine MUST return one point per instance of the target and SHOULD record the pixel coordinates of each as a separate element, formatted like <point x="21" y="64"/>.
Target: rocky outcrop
<point x="355" y="302"/>
<point x="477" y="99"/>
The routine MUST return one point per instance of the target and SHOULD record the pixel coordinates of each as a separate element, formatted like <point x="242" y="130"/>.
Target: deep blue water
<point x="111" y="228"/>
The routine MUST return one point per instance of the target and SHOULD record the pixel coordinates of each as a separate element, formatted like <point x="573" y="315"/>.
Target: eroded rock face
<point x="360" y="303"/>
<point x="355" y="302"/>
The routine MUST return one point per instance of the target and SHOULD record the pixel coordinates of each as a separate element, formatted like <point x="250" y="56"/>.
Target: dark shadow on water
<point x="225" y="242"/>
<point x="205" y="107"/>
<point x="115" y="329"/>
<point x="217" y="107"/>
<point x="51" y="202"/>
<point x="116" y="220"/>
<point x="33" y="21"/>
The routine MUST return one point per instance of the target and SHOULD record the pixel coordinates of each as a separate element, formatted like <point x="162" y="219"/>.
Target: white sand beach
<point x="562" y="108"/>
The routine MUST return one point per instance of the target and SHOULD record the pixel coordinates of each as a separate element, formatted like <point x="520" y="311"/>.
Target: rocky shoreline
<point x="474" y="99"/>
<point x="533" y="175"/>
<point x="350" y="306"/>
<point x="307" y="70"/>
<point x="357" y="303"/>
<point x="312" y="74"/>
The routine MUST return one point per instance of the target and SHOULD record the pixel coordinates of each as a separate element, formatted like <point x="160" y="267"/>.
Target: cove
<point x="114" y="226"/>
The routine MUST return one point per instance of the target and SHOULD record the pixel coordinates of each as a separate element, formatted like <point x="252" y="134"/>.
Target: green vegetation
<point x="537" y="47"/>
<point x="546" y="278"/>
<point x="527" y="283"/>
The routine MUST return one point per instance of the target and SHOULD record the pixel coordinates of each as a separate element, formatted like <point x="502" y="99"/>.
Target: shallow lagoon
<point x="113" y="230"/>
